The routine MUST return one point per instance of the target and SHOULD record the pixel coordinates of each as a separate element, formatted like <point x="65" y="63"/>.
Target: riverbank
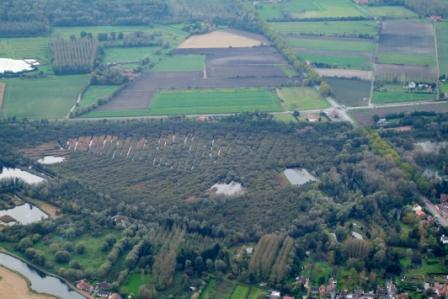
<point x="14" y="286"/>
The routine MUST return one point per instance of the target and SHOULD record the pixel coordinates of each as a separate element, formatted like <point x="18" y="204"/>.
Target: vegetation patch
<point x="302" y="98"/>
<point x="442" y="46"/>
<point x="74" y="56"/>
<point x="332" y="44"/>
<point x="96" y="93"/>
<point x="390" y="12"/>
<point x="406" y="59"/>
<point x="50" y="97"/>
<point x="26" y="48"/>
<point x="131" y="55"/>
<point x="396" y="93"/>
<point x="358" y="62"/>
<point x="350" y="92"/>
<point x="181" y="63"/>
<point x="134" y="282"/>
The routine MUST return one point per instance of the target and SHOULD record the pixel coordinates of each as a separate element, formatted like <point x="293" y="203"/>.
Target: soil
<point x="223" y="39"/>
<point x="345" y="73"/>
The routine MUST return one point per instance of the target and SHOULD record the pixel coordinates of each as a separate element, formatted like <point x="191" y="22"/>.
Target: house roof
<point x="7" y="219"/>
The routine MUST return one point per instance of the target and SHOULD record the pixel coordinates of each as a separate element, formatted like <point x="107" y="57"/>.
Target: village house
<point x="84" y="286"/>
<point x="275" y="295"/>
<point x="7" y="220"/>
<point x="419" y="211"/>
<point x="102" y="290"/>
<point x="312" y="117"/>
<point x="444" y="239"/>
<point x="115" y="296"/>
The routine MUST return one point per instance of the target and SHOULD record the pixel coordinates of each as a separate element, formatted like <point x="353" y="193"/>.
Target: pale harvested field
<point x="345" y="73"/>
<point x="2" y="93"/>
<point x="14" y="286"/>
<point x="223" y="39"/>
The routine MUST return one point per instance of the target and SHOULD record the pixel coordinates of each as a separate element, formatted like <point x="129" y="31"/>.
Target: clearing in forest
<point x="223" y="39"/>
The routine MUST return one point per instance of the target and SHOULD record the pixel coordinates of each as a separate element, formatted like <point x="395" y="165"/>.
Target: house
<point x="249" y="250"/>
<point x="444" y="239"/>
<point x="84" y="286"/>
<point x="275" y="295"/>
<point x="102" y="289"/>
<point x="381" y="122"/>
<point x="312" y="117"/>
<point x="412" y="85"/>
<point x="7" y="220"/>
<point x="419" y="211"/>
<point x="357" y="235"/>
<point x="115" y="296"/>
<point x="436" y="18"/>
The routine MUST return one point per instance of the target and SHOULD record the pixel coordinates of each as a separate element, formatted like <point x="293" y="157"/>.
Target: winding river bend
<point x="40" y="282"/>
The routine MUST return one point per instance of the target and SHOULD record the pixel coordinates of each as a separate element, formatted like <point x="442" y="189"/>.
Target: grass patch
<point x="350" y="92"/>
<point x="256" y="293"/>
<point x="390" y="12"/>
<point x="331" y="9"/>
<point x="30" y="47"/>
<point x="302" y="98"/>
<point x="95" y="93"/>
<point x="330" y="28"/>
<point x="127" y="55"/>
<point x="241" y="292"/>
<point x="332" y="45"/>
<point x="359" y="62"/>
<point x="181" y="63"/>
<point x="397" y="94"/>
<point x="442" y="46"/>
<point x="135" y="280"/>
<point x="444" y="87"/>
<point x="208" y="290"/>
<point x="287" y="70"/>
<point x="406" y="59"/>
<point x="50" y="97"/>
<point x="285" y="117"/>
<point x="318" y="272"/>
<point x="271" y="11"/>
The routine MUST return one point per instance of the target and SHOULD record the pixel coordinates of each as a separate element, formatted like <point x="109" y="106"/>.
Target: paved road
<point x="435" y="212"/>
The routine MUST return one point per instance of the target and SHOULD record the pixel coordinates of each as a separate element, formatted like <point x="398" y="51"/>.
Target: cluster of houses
<point x="100" y="290"/>
<point x="419" y="86"/>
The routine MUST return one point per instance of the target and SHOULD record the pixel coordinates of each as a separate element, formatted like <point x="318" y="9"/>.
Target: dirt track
<point x="2" y="94"/>
<point x="14" y="286"/>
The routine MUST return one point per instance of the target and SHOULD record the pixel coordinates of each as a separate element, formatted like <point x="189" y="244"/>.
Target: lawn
<point x="390" y="12"/>
<point x="317" y="272"/>
<point x="302" y="98"/>
<point x="444" y="87"/>
<point x="331" y="9"/>
<point x="181" y="63"/>
<point x="396" y="94"/>
<point x="277" y="11"/>
<point x="241" y="292"/>
<point x="442" y="46"/>
<point x="256" y="293"/>
<point x="332" y="44"/>
<point x="284" y="117"/>
<point x="406" y="59"/>
<point x="45" y="98"/>
<point x="135" y="280"/>
<point x="327" y="28"/>
<point x="350" y="92"/>
<point x="30" y="47"/>
<point x="126" y="55"/>
<point x="95" y="93"/>
<point x="218" y="289"/>
<point x="358" y="62"/>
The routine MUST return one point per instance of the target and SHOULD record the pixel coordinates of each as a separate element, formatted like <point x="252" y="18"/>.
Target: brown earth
<point x="345" y="73"/>
<point x="14" y="286"/>
<point x="223" y="39"/>
<point x="391" y="72"/>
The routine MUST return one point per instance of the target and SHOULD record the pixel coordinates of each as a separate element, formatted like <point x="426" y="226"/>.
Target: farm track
<point x="2" y="94"/>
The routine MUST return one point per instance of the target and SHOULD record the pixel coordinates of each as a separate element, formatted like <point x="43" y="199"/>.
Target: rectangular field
<point x="398" y="12"/>
<point x="442" y="46"/>
<point x="329" y="28"/>
<point x="358" y="62"/>
<point x="332" y="44"/>
<point x="30" y="47"/>
<point x="331" y="9"/>
<point x="396" y="94"/>
<point x="127" y="55"/>
<point x="46" y="98"/>
<point x="406" y="59"/>
<point x="181" y="63"/>
<point x="350" y="92"/>
<point x="301" y="98"/>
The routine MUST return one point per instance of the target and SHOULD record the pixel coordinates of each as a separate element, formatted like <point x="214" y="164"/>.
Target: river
<point x="40" y="282"/>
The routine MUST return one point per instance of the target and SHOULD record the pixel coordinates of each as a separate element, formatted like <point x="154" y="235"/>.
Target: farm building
<point x="7" y="220"/>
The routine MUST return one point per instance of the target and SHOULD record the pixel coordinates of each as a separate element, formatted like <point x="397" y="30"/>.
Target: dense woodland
<point x="187" y="230"/>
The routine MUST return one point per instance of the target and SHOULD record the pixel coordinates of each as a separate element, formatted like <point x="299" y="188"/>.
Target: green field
<point x="95" y="93"/>
<point x="21" y="48"/>
<point x="442" y="46"/>
<point x="444" y="87"/>
<point x="358" y="62"/>
<point x="240" y="292"/>
<point x="302" y="98"/>
<point x="284" y="117"/>
<point x="327" y="28"/>
<point x="276" y="11"/>
<point x="390" y="12"/>
<point x="50" y="97"/>
<point x="181" y="63"/>
<point x="332" y="44"/>
<point x="331" y="9"/>
<point x="126" y="55"/>
<point x="406" y="59"/>
<point x="396" y="94"/>
<point x="170" y="33"/>
<point x="208" y="101"/>
<point x="218" y="289"/>
<point x="350" y="92"/>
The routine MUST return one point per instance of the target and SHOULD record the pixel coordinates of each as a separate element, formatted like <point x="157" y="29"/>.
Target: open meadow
<point x="50" y="97"/>
<point x="442" y="45"/>
<point x="301" y="98"/>
<point x="326" y="44"/>
<point x="391" y="93"/>
<point x="95" y="93"/>
<point x="180" y="63"/>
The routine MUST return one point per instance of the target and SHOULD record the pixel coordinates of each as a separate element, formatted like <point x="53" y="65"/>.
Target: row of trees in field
<point x="74" y="56"/>
<point x="423" y="8"/>
<point x="18" y="29"/>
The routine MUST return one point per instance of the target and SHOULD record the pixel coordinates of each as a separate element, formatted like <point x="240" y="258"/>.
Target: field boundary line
<point x="2" y="94"/>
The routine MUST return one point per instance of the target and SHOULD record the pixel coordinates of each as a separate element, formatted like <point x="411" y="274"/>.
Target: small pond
<point x="40" y="282"/>
<point x="50" y="160"/>
<point x="298" y="177"/>
<point x="25" y="214"/>
<point x="15" y="173"/>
